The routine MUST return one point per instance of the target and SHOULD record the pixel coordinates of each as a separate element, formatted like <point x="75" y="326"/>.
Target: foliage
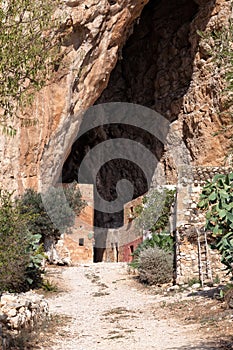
<point x="36" y="250"/>
<point x="27" y="51"/>
<point x="153" y="216"/>
<point x="63" y="213"/>
<point x="161" y="240"/>
<point x="49" y="286"/>
<point x="225" y="294"/>
<point x="217" y="200"/>
<point x="219" y="47"/>
<point x="19" y="256"/>
<point x="155" y="213"/>
<point x="24" y="223"/>
<point x="155" y="266"/>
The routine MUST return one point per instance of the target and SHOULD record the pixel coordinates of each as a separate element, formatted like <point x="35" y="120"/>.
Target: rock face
<point x="166" y="66"/>
<point x="145" y="52"/>
<point x="93" y="33"/>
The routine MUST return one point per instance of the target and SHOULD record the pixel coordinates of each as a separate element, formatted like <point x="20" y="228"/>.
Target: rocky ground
<point x="102" y="307"/>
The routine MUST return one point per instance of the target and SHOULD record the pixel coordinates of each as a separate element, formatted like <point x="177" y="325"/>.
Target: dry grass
<point x="37" y="338"/>
<point x="213" y="317"/>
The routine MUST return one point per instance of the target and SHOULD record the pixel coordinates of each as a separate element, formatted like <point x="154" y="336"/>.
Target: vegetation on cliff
<point x="218" y="45"/>
<point x="27" y="50"/>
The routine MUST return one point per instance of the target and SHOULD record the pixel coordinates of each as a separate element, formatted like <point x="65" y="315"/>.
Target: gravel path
<point x="109" y="312"/>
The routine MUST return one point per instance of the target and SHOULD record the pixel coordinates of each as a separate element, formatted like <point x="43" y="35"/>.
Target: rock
<point x="196" y="286"/>
<point x="172" y="288"/>
<point x="16" y="322"/>
<point x="22" y="310"/>
<point x="90" y="54"/>
<point x="163" y="66"/>
<point x="7" y="298"/>
<point x="206" y="288"/>
<point x="3" y="318"/>
<point x="12" y="312"/>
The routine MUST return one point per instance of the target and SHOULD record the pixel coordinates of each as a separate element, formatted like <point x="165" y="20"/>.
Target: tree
<point x="62" y="211"/>
<point x="28" y="49"/>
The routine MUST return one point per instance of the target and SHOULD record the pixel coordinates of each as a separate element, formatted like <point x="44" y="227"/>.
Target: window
<point x="81" y="242"/>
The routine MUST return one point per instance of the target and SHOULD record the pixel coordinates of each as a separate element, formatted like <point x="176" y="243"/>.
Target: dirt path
<point x="109" y="312"/>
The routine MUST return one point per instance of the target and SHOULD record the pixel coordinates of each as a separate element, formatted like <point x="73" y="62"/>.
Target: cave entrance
<point x="107" y="177"/>
<point x="154" y="70"/>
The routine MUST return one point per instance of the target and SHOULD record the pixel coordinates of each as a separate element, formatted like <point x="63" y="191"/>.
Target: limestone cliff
<point x="140" y="51"/>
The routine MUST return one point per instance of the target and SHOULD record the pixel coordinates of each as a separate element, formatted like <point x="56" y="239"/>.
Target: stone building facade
<point x="77" y="246"/>
<point x="122" y="242"/>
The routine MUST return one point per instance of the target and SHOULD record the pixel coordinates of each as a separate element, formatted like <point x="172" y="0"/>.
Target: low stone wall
<point x="189" y="219"/>
<point x="188" y="259"/>
<point x="22" y="311"/>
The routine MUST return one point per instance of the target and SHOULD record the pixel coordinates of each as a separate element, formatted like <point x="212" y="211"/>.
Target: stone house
<point x="193" y="257"/>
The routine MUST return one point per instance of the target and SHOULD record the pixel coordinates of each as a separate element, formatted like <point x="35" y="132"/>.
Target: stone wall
<point x="189" y="219"/>
<point x="126" y="250"/>
<point x="80" y="241"/>
<point x="18" y="312"/>
<point x="120" y="243"/>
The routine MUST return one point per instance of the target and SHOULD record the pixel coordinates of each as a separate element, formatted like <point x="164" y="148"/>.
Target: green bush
<point x="217" y="201"/>
<point x="63" y="213"/>
<point x="161" y="240"/>
<point x="19" y="255"/>
<point x="155" y="266"/>
<point x="24" y="224"/>
<point x="154" y="216"/>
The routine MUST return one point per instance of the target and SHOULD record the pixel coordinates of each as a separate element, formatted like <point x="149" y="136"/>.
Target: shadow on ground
<point x="214" y="344"/>
<point x="211" y="293"/>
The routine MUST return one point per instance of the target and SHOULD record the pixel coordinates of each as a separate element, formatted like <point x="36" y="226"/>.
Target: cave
<point x="154" y="70"/>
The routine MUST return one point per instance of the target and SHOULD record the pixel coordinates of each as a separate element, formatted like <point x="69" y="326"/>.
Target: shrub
<point x="217" y="200"/>
<point x="63" y="213"/>
<point x="24" y="224"/>
<point x="19" y="256"/>
<point x="155" y="213"/>
<point x="155" y="266"/>
<point x="153" y="217"/>
<point x="161" y="240"/>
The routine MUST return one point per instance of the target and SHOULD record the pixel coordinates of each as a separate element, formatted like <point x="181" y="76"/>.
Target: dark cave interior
<point x="154" y="70"/>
